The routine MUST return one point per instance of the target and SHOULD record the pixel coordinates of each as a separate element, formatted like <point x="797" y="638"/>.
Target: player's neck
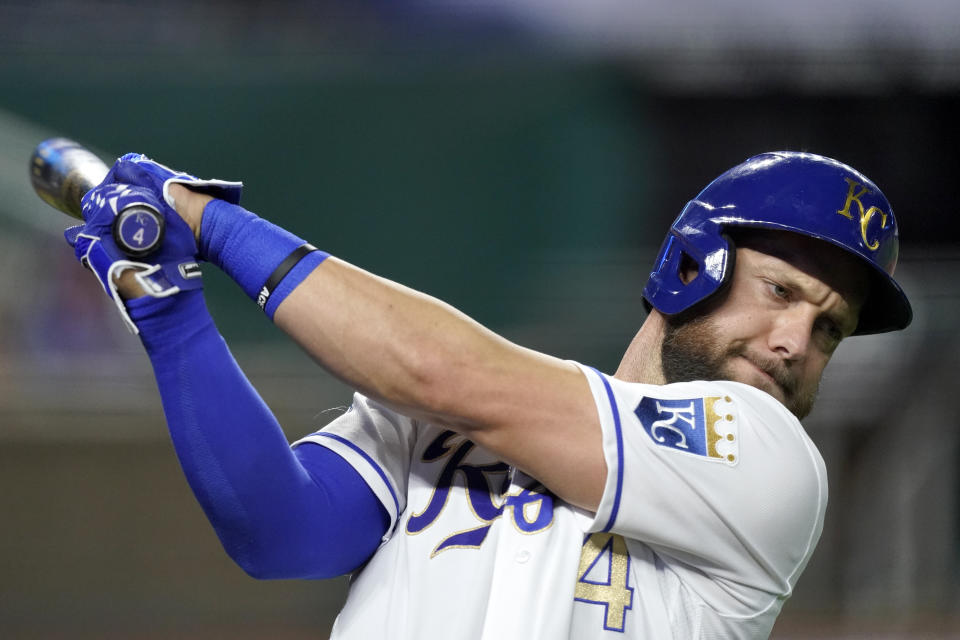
<point x="641" y="361"/>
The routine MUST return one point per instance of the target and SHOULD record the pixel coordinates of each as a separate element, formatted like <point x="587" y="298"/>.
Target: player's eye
<point x="779" y="290"/>
<point x="832" y="332"/>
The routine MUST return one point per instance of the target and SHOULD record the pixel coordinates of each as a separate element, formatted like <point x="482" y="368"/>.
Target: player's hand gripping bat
<point x="63" y="171"/>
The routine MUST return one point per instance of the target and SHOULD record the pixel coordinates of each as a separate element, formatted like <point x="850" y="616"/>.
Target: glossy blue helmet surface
<point x="789" y="191"/>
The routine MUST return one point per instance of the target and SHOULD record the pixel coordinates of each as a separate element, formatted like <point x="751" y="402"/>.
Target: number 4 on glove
<point x="138" y="230"/>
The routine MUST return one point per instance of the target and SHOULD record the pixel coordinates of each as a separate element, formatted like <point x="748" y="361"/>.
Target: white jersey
<point x="713" y="503"/>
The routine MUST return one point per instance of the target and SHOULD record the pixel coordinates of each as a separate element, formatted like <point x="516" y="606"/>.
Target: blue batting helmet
<point x="789" y="191"/>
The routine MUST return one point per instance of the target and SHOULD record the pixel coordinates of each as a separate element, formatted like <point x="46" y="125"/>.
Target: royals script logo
<point x="530" y="509"/>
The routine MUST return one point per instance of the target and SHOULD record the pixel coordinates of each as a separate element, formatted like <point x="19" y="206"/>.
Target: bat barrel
<point x="62" y="171"/>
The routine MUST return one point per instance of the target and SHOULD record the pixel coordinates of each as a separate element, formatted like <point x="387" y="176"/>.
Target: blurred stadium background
<point x="520" y="159"/>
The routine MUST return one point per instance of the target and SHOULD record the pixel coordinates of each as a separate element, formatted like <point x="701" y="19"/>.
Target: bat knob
<point x="138" y="230"/>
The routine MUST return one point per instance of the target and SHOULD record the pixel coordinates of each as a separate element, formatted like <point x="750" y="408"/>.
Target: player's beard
<point x="691" y="350"/>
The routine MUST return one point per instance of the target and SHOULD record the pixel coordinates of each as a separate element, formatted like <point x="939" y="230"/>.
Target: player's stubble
<point x="691" y="350"/>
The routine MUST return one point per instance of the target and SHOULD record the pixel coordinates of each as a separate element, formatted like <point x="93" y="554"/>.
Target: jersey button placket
<point x="506" y="596"/>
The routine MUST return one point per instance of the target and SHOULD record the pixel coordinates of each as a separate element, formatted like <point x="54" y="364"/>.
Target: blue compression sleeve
<point x="279" y="513"/>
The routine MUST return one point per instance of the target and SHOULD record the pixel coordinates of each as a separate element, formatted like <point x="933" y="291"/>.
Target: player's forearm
<point x="392" y="343"/>
<point x="398" y="345"/>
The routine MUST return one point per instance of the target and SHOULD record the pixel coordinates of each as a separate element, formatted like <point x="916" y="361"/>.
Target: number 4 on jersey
<point x="604" y="577"/>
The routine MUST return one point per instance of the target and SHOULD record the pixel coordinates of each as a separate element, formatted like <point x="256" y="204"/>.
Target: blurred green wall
<point x="455" y="180"/>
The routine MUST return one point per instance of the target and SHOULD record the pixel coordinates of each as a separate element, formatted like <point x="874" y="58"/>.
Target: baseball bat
<point x="63" y="171"/>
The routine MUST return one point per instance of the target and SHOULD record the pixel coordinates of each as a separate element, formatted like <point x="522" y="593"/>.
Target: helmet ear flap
<point x="687" y="273"/>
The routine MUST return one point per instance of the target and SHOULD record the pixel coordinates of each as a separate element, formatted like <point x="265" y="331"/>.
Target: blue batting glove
<point x="168" y="270"/>
<point x="137" y="169"/>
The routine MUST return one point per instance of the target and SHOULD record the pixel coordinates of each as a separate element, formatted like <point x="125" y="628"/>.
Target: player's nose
<point x="791" y="334"/>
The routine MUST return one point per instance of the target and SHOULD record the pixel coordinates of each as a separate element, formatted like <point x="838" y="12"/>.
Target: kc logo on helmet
<point x="865" y="215"/>
<point x="704" y="427"/>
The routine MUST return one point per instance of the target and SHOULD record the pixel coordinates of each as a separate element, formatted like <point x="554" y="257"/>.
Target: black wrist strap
<point x="281" y="272"/>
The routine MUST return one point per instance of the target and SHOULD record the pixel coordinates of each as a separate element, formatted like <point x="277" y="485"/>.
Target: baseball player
<point x="479" y="490"/>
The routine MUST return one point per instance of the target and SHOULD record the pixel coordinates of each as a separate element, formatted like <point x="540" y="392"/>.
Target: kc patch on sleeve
<point x="705" y="427"/>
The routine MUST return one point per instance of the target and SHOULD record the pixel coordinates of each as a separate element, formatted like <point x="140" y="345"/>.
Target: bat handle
<point x="138" y="230"/>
